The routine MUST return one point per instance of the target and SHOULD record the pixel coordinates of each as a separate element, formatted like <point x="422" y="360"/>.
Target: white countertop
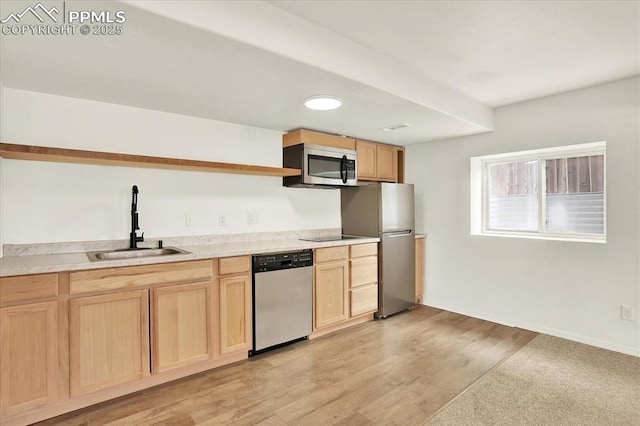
<point x="58" y="262"/>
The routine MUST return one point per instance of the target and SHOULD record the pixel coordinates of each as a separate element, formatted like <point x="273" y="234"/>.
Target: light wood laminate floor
<point x="400" y="370"/>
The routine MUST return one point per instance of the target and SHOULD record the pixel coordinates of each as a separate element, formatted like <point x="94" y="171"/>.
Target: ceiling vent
<point x="396" y="127"/>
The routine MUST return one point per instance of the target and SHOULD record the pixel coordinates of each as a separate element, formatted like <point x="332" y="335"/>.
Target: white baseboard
<point x="628" y="350"/>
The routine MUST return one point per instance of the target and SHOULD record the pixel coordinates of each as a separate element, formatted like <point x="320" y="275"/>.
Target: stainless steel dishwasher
<point x="282" y="298"/>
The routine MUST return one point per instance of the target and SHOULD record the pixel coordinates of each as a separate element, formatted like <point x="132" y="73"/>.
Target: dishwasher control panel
<point x="283" y="260"/>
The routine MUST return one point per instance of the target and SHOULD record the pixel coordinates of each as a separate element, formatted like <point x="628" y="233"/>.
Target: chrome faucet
<point x="133" y="236"/>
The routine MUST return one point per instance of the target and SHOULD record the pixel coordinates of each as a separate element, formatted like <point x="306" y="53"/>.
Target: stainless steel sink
<point x="96" y="256"/>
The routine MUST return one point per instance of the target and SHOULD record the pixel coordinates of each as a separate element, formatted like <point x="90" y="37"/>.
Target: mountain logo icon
<point x="38" y="11"/>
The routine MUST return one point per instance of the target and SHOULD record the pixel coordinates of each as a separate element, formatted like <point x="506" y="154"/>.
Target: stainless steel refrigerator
<point x="386" y="210"/>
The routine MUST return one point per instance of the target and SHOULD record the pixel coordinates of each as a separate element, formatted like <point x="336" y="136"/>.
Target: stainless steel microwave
<point x="321" y="166"/>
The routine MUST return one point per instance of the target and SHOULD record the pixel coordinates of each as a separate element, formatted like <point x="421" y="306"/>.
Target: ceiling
<point x="441" y="66"/>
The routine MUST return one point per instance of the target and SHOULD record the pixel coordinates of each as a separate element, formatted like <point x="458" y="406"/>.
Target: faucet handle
<point x="140" y="238"/>
<point x="160" y="244"/>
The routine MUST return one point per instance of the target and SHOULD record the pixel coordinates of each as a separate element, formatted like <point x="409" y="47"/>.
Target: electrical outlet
<point x="626" y="312"/>
<point x="222" y="220"/>
<point x="188" y="219"/>
<point x="253" y="218"/>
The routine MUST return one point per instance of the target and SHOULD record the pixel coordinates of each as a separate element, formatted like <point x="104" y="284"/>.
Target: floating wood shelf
<point x="61" y="155"/>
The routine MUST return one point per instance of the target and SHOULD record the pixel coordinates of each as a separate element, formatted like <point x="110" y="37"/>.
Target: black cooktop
<point x="337" y="238"/>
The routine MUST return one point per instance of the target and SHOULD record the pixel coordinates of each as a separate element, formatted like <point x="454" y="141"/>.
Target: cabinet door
<point x="366" y="160"/>
<point x="235" y="314"/>
<point x="387" y="163"/>
<point x="331" y="285"/>
<point x="420" y="243"/>
<point x="182" y="325"/>
<point x="109" y="340"/>
<point x="28" y="356"/>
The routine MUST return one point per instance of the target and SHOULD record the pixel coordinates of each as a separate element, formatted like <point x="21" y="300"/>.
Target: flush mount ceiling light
<point x="323" y="102"/>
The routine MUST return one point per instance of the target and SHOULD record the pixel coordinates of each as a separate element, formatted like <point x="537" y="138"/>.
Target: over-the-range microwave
<point x="321" y="166"/>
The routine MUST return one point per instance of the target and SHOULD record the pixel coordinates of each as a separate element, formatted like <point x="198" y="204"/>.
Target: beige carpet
<point x="552" y="381"/>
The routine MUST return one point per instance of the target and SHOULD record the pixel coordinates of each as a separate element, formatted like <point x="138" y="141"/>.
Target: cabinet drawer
<point x="364" y="300"/>
<point x="361" y="250"/>
<point x="364" y="271"/>
<point x="28" y="288"/>
<point x="234" y="265"/>
<point x="139" y="276"/>
<point x="328" y="254"/>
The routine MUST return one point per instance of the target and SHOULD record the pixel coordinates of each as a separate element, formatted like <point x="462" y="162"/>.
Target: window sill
<point x="550" y="237"/>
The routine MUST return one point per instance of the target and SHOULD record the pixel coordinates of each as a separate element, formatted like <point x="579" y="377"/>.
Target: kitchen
<point x="91" y="203"/>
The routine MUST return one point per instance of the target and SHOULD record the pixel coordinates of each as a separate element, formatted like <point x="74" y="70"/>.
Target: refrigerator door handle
<point x="398" y="234"/>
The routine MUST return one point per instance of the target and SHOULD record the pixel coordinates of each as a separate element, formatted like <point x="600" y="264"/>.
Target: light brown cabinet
<point x="182" y="325"/>
<point x="367" y="160"/>
<point x="76" y="338"/>
<point x="420" y="252"/>
<point x="235" y="304"/>
<point x="110" y="334"/>
<point x="378" y="162"/>
<point x="109" y="340"/>
<point x="28" y="357"/>
<point x="345" y="286"/>
<point x="298" y="136"/>
<point x="387" y="163"/>
<point x="331" y="286"/>
<point x="363" y="293"/>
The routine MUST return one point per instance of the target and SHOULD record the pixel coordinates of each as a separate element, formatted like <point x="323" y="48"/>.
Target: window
<point x="553" y="193"/>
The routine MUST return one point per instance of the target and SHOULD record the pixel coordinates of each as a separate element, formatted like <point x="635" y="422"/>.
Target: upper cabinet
<point x="317" y="138"/>
<point x="367" y="164"/>
<point x="387" y="163"/>
<point x="376" y="161"/>
<point x="380" y="162"/>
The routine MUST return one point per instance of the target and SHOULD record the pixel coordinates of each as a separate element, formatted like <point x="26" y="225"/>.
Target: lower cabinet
<point x="181" y="325"/>
<point x="55" y="355"/>
<point x="331" y="285"/>
<point x="109" y="340"/>
<point x="364" y="279"/>
<point x="420" y="252"/>
<point x="345" y="285"/>
<point x="28" y="356"/>
<point x="235" y="313"/>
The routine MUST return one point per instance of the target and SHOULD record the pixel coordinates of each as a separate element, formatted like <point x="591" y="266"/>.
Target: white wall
<point x="568" y="289"/>
<point x="49" y="202"/>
